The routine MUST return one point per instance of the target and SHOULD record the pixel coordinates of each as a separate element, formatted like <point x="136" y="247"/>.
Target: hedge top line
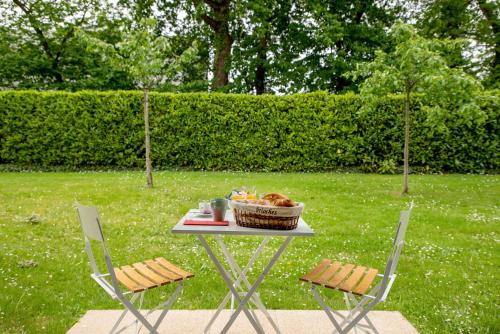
<point x="216" y="95"/>
<point x="325" y="94"/>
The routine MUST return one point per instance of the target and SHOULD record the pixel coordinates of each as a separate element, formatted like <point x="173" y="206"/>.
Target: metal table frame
<point x="240" y="289"/>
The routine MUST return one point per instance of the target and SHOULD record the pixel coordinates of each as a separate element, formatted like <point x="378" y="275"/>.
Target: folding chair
<point x="355" y="282"/>
<point x="137" y="278"/>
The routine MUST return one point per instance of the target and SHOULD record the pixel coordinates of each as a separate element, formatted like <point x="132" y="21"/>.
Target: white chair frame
<point x="91" y="226"/>
<point x="360" y="307"/>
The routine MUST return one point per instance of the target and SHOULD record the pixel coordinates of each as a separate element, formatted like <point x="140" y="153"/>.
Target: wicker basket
<point x="266" y="216"/>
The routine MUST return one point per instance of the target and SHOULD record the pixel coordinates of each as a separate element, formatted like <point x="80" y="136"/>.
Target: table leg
<point x="229" y="283"/>
<point x="237" y="272"/>
<point x="236" y="282"/>
<point x="242" y="303"/>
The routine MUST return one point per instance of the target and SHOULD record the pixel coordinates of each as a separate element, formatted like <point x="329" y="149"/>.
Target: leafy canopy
<point x="39" y="49"/>
<point x="149" y="59"/>
<point x="416" y="65"/>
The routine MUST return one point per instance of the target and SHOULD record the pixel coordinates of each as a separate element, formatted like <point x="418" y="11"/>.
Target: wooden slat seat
<point x="150" y="274"/>
<point x="345" y="277"/>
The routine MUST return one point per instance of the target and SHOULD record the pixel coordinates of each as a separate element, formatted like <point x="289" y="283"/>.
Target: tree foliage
<point x="148" y="58"/>
<point x="40" y="49"/>
<point x="344" y="34"/>
<point x="244" y="46"/>
<point x="477" y="22"/>
<point x="417" y="66"/>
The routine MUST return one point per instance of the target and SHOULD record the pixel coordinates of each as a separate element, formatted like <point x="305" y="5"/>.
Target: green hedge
<point x="303" y="132"/>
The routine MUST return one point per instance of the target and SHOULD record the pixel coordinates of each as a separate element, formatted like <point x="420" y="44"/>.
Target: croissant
<point x="284" y="202"/>
<point x="274" y="196"/>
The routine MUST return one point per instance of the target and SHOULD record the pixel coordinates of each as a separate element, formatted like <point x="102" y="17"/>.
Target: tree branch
<point x="489" y="13"/>
<point x="34" y="25"/>
<point x="210" y="21"/>
<point x="70" y="33"/>
<point x="206" y="18"/>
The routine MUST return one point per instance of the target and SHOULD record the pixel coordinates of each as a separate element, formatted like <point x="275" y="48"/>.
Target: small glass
<point x="204" y="207"/>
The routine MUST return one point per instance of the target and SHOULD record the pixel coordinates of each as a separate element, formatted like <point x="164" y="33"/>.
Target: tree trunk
<point x="149" y="168"/>
<point x="406" y="152"/>
<point x="260" y="70"/>
<point x="218" y="21"/>
<point x="55" y="70"/>
<point x="222" y="61"/>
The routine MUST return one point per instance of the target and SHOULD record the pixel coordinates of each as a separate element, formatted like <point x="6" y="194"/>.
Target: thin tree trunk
<point x="406" y="167"/>
<point x="149" y="168"/>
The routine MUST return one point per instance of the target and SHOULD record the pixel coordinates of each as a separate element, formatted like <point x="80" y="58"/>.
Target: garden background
<point x="310" y="98"/>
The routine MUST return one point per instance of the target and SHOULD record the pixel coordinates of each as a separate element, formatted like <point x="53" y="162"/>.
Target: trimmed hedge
<point x="302" y="132"/>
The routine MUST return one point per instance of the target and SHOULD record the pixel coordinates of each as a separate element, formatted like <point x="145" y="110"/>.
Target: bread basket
<point x="266" y="216"/>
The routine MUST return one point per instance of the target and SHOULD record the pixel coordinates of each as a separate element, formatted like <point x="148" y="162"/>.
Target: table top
<point x="302" y="229"/>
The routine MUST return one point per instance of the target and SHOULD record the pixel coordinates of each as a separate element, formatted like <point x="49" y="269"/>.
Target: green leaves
<point x="416" y="65"/>
<point x="267" y="46"/>
<point x="148" y="58"/>
<point x="39" y="50"/>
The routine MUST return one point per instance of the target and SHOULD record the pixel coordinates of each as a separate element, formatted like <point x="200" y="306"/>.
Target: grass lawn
<point x="448" y="273"/>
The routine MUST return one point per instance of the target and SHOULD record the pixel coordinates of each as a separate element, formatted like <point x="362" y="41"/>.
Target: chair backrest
<point x="91" y="226"/>
<point x="397" y="247"/>
<point x="90" y="222"/>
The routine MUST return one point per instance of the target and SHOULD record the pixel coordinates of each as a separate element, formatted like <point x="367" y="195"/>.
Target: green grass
<point x="448" y="273"/>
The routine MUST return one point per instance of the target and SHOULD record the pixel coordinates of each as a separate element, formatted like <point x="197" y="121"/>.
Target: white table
<point x="236" y="280"/>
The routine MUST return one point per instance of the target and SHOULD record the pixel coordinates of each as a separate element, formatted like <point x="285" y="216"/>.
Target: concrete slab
<point x="194" y="321"/>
